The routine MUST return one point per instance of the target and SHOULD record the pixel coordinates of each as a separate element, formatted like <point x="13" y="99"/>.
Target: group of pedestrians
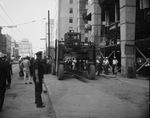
<point x="103" y="64"/>
<point x="34" y="68"/>
<point x="31" y="68"/>
<point x="26" y="69"/>
<point x="5" y="77"/>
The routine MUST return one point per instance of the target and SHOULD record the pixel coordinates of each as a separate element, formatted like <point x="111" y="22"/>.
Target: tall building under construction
<point x="119" y="28"/>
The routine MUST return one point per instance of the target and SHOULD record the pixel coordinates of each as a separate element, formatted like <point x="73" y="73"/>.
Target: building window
<point x="71" y="10"/>
<point x="71" y="1"/>
<point x="71" y="20"/>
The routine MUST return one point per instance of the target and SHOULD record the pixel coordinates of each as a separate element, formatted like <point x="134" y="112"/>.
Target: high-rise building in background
<point x="25" y="48"/>
<point x="65" y="18"/>
<point x="14" y="50"/>
<point x="8" y="45"/>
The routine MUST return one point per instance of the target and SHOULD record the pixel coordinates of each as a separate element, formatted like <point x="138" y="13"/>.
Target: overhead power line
<point x="31" y="21"/>
<point x="14" y="26"/>
<point x="7" y="24"/>
<point x="9" y="17"/>
<point x="7" y="14"/>
<point x="4" y="20"/>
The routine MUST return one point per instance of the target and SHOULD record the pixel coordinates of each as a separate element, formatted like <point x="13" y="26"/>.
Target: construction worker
<point x="114" y="65"/>
<point x="106" y="65"/>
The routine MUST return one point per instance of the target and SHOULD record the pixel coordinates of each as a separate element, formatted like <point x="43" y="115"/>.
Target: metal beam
<point x="147" y="61"/>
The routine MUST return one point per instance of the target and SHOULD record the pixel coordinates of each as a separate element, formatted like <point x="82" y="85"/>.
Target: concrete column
<point x="127" y="28"/>
<point x="81" y="23"/>
<point x="96" y="22"/>
<point x="106" y="17"/>
<point x="116" y="12"/>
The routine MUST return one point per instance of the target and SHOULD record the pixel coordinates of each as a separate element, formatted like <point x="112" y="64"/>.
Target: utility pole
<point x="48" y="34"/>
<point x="46" y="38"/>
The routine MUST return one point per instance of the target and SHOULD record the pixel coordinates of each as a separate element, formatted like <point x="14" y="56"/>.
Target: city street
<point x="105" y="97"/>
<point x="94" y="53"/>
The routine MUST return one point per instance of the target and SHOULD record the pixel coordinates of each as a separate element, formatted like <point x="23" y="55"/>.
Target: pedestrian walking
<point x="106" y="65"/>
<point x="99" y="65"/>
<point x="9" y="68"/>
<point x="31" y="66"/>
<point x="74" y="63"/>
<point x="10" y="64"/>
<point x="48" y="65"/>
<point x="25" y="64"/>
<point x="44" y="61"/>
<point x="114" y="66"/>
<point x="3" y="76"/>
<point x="38" y="75"/>
<point x="20" y="68"/>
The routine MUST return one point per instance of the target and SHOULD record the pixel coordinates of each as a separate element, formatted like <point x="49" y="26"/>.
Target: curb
<point x="52" y="107"/>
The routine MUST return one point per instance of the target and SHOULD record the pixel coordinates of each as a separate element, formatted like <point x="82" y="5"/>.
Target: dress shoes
<point x="40" y="106"/>
<point x="30" y="82"/>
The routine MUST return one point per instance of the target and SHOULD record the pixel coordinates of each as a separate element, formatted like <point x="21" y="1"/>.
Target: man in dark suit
<point x="38" y="72"/>
<point x="3" y="76"/>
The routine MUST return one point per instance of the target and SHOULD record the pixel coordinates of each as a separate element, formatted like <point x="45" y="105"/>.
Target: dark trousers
<point x="106" y="69"/>
<point x="38" y="91"/>
<point x="11" y="69"/>
<point x="48" y="68"/>
<point x="2" y="95"/>
<point x="113" y="69"/>
<point x="9" y="78"/>
<point x="99" y="69"/>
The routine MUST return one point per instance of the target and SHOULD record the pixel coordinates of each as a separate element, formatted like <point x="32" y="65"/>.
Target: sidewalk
<point x="20" y="101"/>
<point x="74" y="99"/>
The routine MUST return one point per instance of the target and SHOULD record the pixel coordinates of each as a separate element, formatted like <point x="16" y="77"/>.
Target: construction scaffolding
<point x="123" y="34"/>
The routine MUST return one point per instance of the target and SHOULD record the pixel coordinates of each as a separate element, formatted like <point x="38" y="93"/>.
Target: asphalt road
<point x="115" y="97"/>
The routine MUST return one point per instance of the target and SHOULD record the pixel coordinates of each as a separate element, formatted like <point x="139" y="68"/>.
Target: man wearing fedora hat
<point x="38" y="72"/>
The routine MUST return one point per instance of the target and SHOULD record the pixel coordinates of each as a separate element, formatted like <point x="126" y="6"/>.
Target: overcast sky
<point x="23" y="12"/>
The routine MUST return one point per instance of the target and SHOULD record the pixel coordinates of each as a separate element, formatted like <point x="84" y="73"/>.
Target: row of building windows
<point x="71" y="12"/>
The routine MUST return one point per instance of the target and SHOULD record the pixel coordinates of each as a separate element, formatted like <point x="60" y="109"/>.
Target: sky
<point x="23" y="13"/>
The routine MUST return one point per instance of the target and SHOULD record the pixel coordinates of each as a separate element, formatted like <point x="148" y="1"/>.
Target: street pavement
<point x="20" y="100"/>
<point x="108" y="96"/>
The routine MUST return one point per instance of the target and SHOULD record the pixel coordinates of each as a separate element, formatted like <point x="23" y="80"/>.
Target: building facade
<point x="8" y="45"/>
<point x="119" y="28"/>
<point x="14" y="51"/>
<point x="25" y="48"/>
<point x="2" y="43"/>
<point x="65" y="18"/>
